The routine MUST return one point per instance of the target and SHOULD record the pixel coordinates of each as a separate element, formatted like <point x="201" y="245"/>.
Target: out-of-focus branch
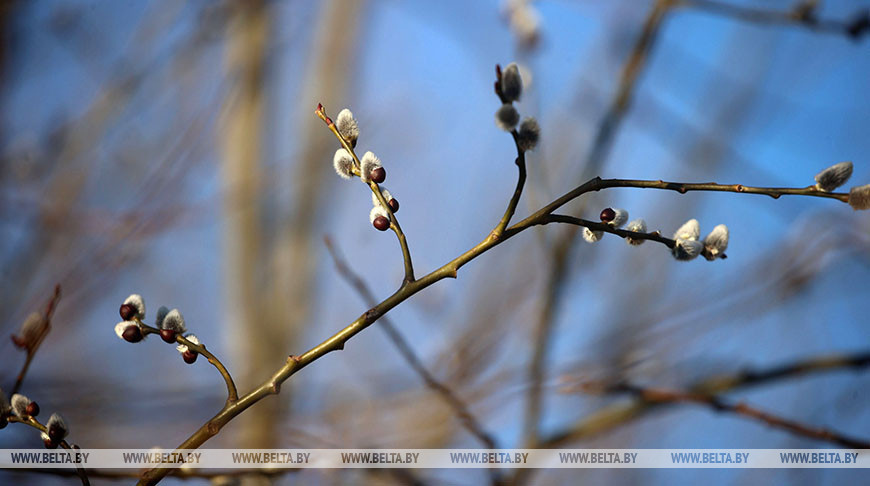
<point x="615" y="415"/>
<point x="666" y="396"/>
<point x="559" y="270"/>
<point x="468" y="420"/>
<point x="803" y="14"/>
<point x="32" y="342"/>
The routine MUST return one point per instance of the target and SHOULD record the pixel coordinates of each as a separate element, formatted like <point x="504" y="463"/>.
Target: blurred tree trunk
<point x="240" y="132"/>
<point x="269" y="283"/>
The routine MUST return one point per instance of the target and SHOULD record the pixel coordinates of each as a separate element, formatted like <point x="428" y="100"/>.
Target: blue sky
<point x="718" y="100"/>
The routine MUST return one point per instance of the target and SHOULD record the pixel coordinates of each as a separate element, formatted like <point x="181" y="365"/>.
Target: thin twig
<point x="232" y="392"/>
<point x="32" y="422"/>
<point x="394" y="222"/>
<point x="622" y="233"/>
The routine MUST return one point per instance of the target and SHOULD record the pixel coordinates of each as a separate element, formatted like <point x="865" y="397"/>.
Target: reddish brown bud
<point x="381" y="223"/>
<point x="132" y="334"/>
<point x="189" y="356"/>
<point x="607" y="215"/>
<point x="49" y="444"/>
<point x="168" y="335"/>
<point x="394" y="204"/>
<point x="379" y="175"/>
<point x="319" y="106"/>
<point x="498" y="71"/>
<point x="128" y="312"/>
<point x="32" y="409"/>
<point x="18" y="342"/>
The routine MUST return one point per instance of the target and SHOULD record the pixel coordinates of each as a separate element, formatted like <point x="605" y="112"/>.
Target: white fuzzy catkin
<point x="346" y="125"/>
<point x="637" y="226"/>
<point x="619" y="218"/>
<point x="19" y="404"/>
<point x="378" y="211"/>
<point x="122" y="326"/>
<point x="182" y="348"/>
<point x="859" y="197"/>
<point x="716" y="243"/>
<point x="368" y="163"/>
<point x="834" y="176"/>
<point x="342" y="161"/>
<point x="507" y="117"/>
<point x="386" y="193"/>
<point x="592" y="236"/>
<point x="687" y="249"/>
<point x="690" y="230"/>
<point x="138" y="303"/>
<point x="528" y="134"/>
<point x="511" y="83"/>
<point x="174" y="321"/>
<point x="57" y="425"/>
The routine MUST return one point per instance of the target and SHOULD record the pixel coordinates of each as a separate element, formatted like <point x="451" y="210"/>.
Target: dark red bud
<point x="32" y="409"/>
<point x="168" y="335"/>
<point x="319" y="106"/>
<point x="55" y="433"/>
<point x="128" y="312"/>
<point x="394" y="205"/>
<point x="379" y="175"/>
<point x="189" y="356"/>
<point x="132" y="334"/>
<point x="607" y="215"/>
<point x="49" y="444"/>
<point x="381" y="223"/>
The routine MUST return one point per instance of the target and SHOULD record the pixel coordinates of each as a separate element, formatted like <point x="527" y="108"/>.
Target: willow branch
<point x="32" y="422"/>
<point x="232" y="392"/>
<point x="295" y="363"/>
<point x="394" y="222"/>
<point x="665" y="396"/>
<point x="802" y="14"/>
<point x="468" y="420"/>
